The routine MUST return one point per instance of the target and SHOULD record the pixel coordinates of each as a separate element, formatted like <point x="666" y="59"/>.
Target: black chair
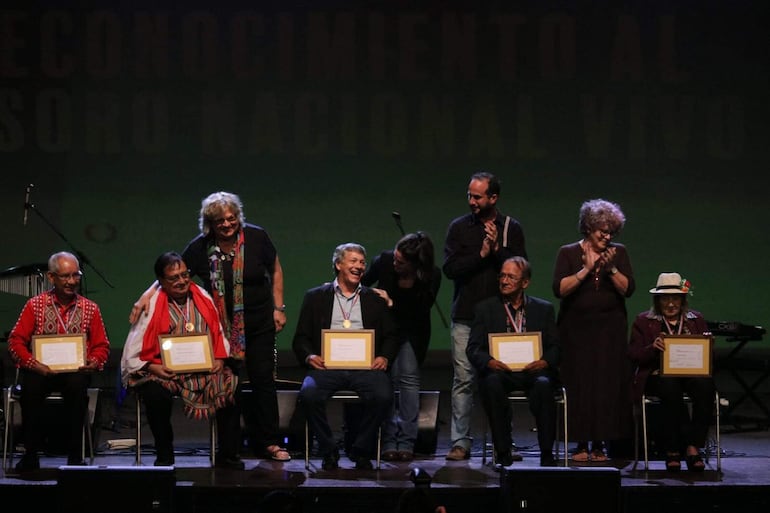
<point x="519" y="396"/>
<point x="212" y="431"/>
<point x="642" y="412"/>
<point x="342" y="395"/>
<point x="11" y="400"/>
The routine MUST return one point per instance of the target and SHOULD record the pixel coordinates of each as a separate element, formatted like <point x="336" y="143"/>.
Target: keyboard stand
<point x="738" y="367"/>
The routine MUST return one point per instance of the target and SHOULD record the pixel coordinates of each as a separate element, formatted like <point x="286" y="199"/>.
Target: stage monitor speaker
<point x="427" y="424"/>
<point x="291" y="420"/>
<point x="546" y="490"/>
<point x="117" y="489"/>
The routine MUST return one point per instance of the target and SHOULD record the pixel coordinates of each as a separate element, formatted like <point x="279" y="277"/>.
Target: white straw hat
<point x="670" y="283"/>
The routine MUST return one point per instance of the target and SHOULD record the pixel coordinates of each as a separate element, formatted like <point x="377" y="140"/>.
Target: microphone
<point x="26" y="202"/>
<point x="397" y="218"/>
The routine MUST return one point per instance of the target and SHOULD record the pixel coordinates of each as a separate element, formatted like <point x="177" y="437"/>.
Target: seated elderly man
<point x="58" y="311"/>
<point x="345" y="304"/>
<point x="514" y="311"/>
<point x="181" y="307"/>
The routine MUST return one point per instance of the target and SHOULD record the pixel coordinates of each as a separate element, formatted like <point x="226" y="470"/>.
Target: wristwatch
<point x="613" y="270"/>
<point x="281" y="308"/>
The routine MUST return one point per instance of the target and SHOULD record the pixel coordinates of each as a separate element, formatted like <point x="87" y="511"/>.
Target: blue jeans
<point x="463" y="387"/>
<point x="399" y="431"/>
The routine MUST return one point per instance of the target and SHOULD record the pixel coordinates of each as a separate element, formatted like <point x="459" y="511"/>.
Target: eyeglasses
<point x="606" y="233"/>
<point x="228" y="220"/>
<point x="71" y="276"/>
<point x="510" y="277"/>
<point x="177" y="277"/>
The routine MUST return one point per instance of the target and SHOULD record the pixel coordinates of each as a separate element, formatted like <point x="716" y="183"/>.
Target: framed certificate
<point x="516" y="350"/>
<point x="347" y="349"/>
<point x="191" y="352"/>
<point x="61" y="352"/>
<point x="687" y="356"/>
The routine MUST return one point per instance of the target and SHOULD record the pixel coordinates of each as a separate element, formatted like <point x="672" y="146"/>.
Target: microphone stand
<point x="81" y="256"/>
<point x="397" y="219"/>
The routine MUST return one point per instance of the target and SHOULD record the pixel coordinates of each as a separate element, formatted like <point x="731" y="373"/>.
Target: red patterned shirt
<point x="44" y="315"/>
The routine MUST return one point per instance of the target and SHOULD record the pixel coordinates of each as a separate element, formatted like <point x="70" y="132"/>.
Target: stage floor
<point x="743" y="482"/>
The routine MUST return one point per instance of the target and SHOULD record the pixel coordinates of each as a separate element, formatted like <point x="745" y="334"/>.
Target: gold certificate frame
<point x="347" y="349"/>
<point x="687" y="356"/>
<point x="61" y="352"/>
<point x="516" y="350"/>
<point x="191" y="352"/>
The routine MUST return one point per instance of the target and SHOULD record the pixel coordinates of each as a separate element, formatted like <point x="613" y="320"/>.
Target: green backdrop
<point x="325" y="117"/>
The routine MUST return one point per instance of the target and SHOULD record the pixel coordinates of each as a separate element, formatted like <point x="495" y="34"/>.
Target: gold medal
<point x="346" y="323"/>
<point x="189" y="327"/>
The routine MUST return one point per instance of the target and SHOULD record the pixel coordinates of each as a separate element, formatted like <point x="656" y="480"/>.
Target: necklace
<point x="225" y="256"/>
<point x="597" y="269"/>
<point x="678" y="322"/>
<point x="70" y="317"/>
<point x="346" y="323"/>
<point x="517" y="315"/>
<point x="188" y="325"/>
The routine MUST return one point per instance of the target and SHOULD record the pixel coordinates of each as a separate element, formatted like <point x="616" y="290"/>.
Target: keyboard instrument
<point x="736" y="330"/>
<point x="25" y="280"/>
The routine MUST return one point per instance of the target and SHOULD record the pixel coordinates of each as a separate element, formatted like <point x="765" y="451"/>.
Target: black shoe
<point x="232" y="463"/>
<point x="330" y="462"/>
<point x="75" y="461"/>
<point x="515" y="456"/>
<point x="547" y="460"/>
<point x="505" y="459"/>
<point x="164" y="461"/>
<point x="363" y="463"/>
<point x="28" y="463"/>
<point x="164" y="455"/>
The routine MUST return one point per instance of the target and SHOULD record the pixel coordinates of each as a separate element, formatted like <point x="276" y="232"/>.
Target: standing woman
<point x="238" y="265"/>
<point x="409" y="280"/>
<point x="592" y="278"/>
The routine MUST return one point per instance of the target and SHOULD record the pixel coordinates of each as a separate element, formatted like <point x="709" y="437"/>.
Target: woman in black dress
<point x="592" y="278"/>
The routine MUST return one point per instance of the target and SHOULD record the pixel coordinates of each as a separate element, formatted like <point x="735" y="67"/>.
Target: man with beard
<point x="476" y="246"/>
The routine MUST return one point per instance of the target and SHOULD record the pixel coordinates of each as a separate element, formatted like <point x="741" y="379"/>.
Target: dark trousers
<point x="34" y="389"/>
<point x="495" y="387"/>
<point x="376" y="394"/>
<point x="263" y="399"/>
<point x="679" y="428"/>
<point x="158" y="402"/>
<point x="157" y="407"/>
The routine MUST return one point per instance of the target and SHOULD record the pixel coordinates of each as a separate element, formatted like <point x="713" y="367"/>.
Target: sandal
<point x="672" y="462"/>
<point x="695" y="463"/>
<point x="277" y="453"/>
<point x="581" y="455"/>
<point x="598" y="455"/>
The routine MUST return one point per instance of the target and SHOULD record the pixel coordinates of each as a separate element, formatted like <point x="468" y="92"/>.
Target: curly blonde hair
<point x="212" y="207"/>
